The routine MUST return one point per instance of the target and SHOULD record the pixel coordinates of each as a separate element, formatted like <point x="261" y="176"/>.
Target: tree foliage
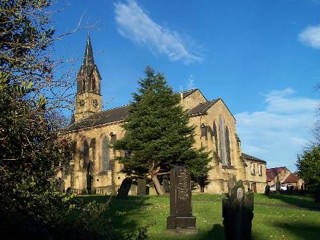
<point x="31" y="151"/>
<point x="158" y="135"/>
<point x="25" y="39"/>
<point x="308" y="165"/>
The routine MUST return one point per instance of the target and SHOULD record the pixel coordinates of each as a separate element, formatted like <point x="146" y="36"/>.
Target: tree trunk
<point x="157" y="184"/>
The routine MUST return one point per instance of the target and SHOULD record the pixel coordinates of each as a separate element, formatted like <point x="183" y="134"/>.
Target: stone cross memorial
<point x="237" y="212"/>
<point x="181" y="219"/>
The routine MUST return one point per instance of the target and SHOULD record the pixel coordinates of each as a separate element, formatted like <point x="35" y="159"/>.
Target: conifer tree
<point x="158" y="135"/>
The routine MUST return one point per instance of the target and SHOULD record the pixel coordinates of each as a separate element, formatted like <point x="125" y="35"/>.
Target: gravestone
<point x="267" y="190"/>
<point x="237" y="212"/>
<point x="166" y="184"/>
<point x="142" y="188"/>
<point x="181" y="219"/>
<point x="124" y="188"/>
<point x="231" y="182"/>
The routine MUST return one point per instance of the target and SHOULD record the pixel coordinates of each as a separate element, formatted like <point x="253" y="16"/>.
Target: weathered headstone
<point x="124" y="188"/>
<point x="231" y="182"/>
<point x="166" y="185"/>
<point x="142" y="188"/>
<point x="237" y="212"/>
<point x="267" y="190"/>
<point x="181" y="218"/>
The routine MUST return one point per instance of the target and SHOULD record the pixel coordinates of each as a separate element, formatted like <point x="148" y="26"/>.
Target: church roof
<point x="202" y="108"/>
<point x="101" y="118"/>
<point x="188" y="92"/>
<point x="120" y="113"/>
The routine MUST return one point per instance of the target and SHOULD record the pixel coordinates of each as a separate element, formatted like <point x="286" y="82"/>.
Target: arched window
<point x="83" y="84"/>
<point x="105" y="154"/>
<point x="215" y="136"/>
<point x="93" y="84"/>
<point x="228" y="150"/>
<point x="85" y="154"/>
<point x="223" y="150"/>
<point x="92" y="155"/>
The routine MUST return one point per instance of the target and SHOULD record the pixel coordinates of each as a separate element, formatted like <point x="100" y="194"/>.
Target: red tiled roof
<point x="292" y="178"/>
<point x="273" y="172"/>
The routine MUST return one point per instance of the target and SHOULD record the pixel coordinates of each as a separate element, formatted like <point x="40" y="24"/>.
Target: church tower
<point x="88" y="98"/>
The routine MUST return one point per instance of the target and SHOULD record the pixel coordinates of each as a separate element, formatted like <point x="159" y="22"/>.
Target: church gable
<point x="192" y="98"/>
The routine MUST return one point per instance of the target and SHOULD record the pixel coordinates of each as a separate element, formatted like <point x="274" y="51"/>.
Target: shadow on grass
<point x="120" y="212"/>
<point x="217" y="233"/>
<point x="301" y="230"/>
<point x="297" y="201"/>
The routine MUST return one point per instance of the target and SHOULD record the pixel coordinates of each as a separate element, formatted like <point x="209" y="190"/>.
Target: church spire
<point x="88" y="98"/>
<point x="88" y="55"/>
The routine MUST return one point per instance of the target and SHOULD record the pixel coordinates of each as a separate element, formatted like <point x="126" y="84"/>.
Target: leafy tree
<point x="31" y="153"/>
<point x="308" y="165"/>
<point x="158" y="135"/>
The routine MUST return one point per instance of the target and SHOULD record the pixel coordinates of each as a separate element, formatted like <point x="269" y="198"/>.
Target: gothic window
<point x="92" y="150"/>
<point x="85" y="154"/>
<point x="223" y="150"/>
<point x="93" y="84"/>
<point x="215" y="136"/>
<point x="228" y="150"/>
<point x="105" y="154"/>
<point x="83" y="84"/>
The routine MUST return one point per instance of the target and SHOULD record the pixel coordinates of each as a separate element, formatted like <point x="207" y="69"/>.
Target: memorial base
<point x="182" y="224"/>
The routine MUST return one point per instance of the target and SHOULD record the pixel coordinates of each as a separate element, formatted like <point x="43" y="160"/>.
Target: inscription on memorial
<point x="182" y="185"/>
<point x="180" y="218"/>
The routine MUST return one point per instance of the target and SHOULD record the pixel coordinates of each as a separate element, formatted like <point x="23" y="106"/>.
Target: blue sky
<point x="260" y="56"/>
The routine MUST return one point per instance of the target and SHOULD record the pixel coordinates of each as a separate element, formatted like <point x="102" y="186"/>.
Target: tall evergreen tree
<point x="158" y="134"/>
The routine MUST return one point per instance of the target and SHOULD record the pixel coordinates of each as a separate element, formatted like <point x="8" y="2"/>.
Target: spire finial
<point x="88" y="55"/>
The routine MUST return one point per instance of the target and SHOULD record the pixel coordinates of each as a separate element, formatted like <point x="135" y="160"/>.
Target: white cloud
<point x="191" y="84"/>
<point x="135" y="24"/>
<point x="280" y="131"/>
<point x="311" y="36"/>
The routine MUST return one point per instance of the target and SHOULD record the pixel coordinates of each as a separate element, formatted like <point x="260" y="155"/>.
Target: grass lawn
<point x="275" y="216"/>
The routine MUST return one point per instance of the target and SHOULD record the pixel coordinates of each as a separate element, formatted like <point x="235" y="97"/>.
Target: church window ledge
<point x="228" y="167"/>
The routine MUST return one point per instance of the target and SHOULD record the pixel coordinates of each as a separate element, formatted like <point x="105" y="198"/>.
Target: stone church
<point x="94" y="130"/>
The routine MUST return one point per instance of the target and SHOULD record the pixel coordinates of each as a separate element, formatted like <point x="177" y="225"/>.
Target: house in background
<point x="284" y="176"/>
<point x="255" y="172"/>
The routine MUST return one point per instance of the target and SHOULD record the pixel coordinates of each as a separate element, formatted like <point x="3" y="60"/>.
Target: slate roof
<point x="273" y="172"/>
<point x="102" y="118"/>
<point x="120" y="113"/>
<point x="249" y="157"/>
<point x="188" y="92"/>
<point x="202" y="108"/>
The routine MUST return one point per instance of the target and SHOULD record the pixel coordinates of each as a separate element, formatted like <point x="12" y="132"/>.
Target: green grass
<point x="275" y="216"/>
